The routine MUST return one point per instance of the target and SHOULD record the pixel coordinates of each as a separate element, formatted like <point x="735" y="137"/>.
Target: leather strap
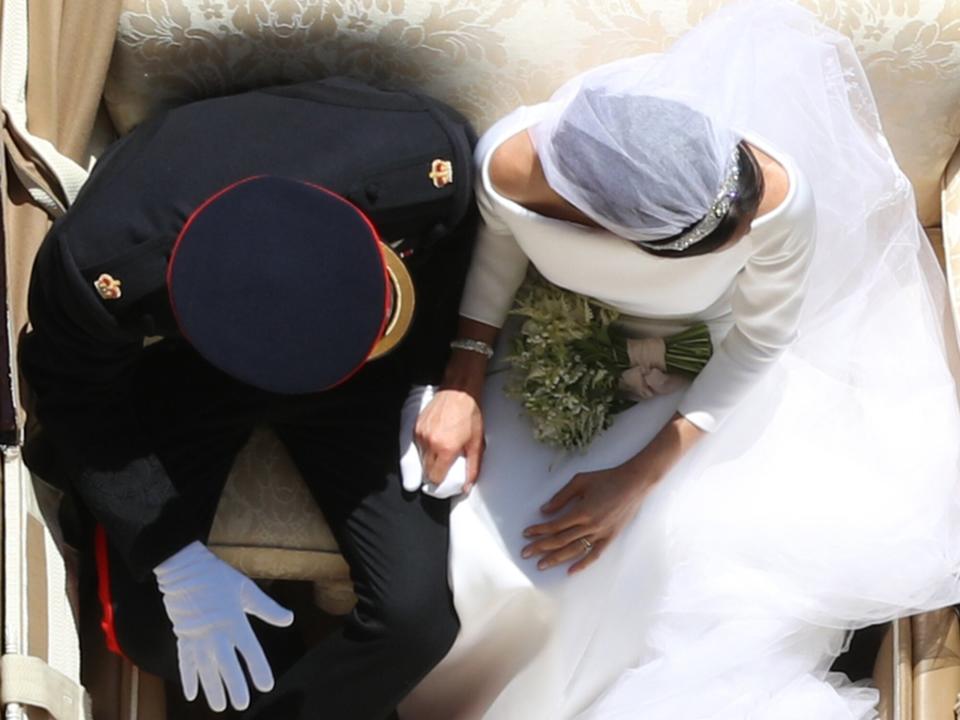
<point x="14" y="53"/>
<point x="28" y="680"/>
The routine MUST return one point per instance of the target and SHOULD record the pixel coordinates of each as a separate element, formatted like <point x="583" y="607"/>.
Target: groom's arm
<point x="438" y="279"/>
<point x="80" y="363"/>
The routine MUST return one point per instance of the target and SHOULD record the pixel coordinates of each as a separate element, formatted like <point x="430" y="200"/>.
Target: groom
<point x="300" y="252"/>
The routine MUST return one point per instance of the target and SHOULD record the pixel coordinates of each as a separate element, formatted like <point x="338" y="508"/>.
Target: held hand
<point x="208" y="603"/>
<point x="450" y="426"/>
<point x="411" y="468"/>
<point x="598" y="506"/>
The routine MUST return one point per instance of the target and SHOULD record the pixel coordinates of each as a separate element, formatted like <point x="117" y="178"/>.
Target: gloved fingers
<point x="411" y="470"/>
<point x="189" y="677"/>
<point x="256" y="661"/>
<point x="409" y="414"/>
<point x="257" y="603"/>
<point x="210" y="681"/>
<point x="232" y="674"/>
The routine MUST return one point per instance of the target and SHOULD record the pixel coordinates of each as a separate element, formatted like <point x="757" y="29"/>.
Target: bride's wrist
<point x="643" y="472"/>
<point x="470" y="354"/>
<point x="466" y="372"/>
<point x="652" y="463"/>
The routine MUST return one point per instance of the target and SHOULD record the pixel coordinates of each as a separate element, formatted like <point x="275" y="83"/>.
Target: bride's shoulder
<point x="509" y="166"/>
<point x="789" y="230"/>
<point x="776" y="180"/>
<point x="787" y="201"/>
<point x="509" y="125"/>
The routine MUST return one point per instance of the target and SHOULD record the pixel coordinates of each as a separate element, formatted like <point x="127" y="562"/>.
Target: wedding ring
<point x="587" y="545"/>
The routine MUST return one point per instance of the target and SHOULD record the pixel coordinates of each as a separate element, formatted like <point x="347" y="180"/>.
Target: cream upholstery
<point x="268" y="525"/>
<point x="486" y="57"/>
<point x="951" y="228"/>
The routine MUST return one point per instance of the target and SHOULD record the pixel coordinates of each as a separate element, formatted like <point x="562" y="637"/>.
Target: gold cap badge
<point x="441" y="172"/>
<point x="108" y="287"/>
<point x="404" y="299"/>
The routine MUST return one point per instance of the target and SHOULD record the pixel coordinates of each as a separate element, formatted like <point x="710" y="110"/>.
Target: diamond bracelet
<point x="477" y="346"/>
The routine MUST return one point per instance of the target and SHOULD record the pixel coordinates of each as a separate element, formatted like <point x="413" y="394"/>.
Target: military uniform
<point x="144" y="437"/>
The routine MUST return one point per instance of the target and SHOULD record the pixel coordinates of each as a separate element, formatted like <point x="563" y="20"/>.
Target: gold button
<point x="441" y="172"/>
<point x="108" y="287"/>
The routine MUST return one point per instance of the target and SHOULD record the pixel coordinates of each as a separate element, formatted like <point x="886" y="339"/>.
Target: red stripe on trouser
<point x="103" y="590"/>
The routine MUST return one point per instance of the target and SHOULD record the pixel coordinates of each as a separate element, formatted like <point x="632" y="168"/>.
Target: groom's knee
<point x="419" y="629"/>
<point x="424" y="628"/>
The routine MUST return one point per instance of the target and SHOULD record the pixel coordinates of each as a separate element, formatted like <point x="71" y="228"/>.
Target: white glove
<point x="207" y="602"/>
<point x="411" y="469"/>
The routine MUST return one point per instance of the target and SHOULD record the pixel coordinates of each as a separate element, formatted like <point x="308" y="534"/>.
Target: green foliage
<point x="567" y="361"/>
<point x="689" y="351"/>
<point x="566" y="364"/>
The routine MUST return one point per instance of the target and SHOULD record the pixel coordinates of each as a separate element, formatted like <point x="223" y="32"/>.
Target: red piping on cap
<point x="377" y="243"/>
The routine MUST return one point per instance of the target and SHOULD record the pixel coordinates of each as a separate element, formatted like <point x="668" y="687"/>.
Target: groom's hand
<point x="450" y="426"/>
<point x="207" y="602"/>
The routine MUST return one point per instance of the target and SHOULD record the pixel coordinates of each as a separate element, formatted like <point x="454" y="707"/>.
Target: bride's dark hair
<point x="744" y="208"/>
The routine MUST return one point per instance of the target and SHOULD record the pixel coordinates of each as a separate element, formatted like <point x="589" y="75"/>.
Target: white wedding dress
<point x="824" y="497"/>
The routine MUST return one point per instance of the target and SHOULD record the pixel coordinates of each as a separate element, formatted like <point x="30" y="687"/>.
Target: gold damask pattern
<point x="261" y="506"/>
<point x="488" y="57"/>
<point x="269" y="526"/>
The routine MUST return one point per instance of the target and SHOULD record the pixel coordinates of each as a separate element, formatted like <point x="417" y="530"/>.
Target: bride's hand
<point x="600" y="504"/>
<point x="449" y="426"/>
<point x="604" y="501"/>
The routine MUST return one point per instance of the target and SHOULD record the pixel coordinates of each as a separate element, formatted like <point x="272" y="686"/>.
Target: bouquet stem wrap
<point x="573" y="369"/>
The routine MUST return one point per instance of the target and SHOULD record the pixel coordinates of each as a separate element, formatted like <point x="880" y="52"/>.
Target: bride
<point x="708" y="554"/>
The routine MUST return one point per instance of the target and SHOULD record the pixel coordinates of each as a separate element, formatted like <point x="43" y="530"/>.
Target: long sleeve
<point x="766" y="304"/>
<point x="499" y="265"/>
<point x="79" y="365"/>
<point x="496" y="270"/>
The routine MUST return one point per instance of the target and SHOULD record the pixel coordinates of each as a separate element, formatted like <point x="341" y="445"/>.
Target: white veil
<point x="867" y="388"/>
<point x="770" y="68"/>
<point x="644" y="167"/>
<point x="850" y="453"/>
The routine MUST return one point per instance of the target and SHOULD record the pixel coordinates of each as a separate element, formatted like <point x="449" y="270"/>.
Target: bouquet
<point x="573" y="370"/>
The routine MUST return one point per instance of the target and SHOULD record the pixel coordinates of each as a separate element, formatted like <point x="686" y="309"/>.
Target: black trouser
<point x="345" y="444"/>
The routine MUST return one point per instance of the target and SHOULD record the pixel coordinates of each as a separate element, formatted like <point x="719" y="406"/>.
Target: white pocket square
<point x="411" y="469"/>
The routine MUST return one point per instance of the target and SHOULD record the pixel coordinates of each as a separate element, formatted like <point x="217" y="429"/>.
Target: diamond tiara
<point x="718" y="210"/>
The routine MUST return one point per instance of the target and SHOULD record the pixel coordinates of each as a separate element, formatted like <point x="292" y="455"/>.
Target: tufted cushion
<point x="486" y="58"/>
<point x="269" y="526"/>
